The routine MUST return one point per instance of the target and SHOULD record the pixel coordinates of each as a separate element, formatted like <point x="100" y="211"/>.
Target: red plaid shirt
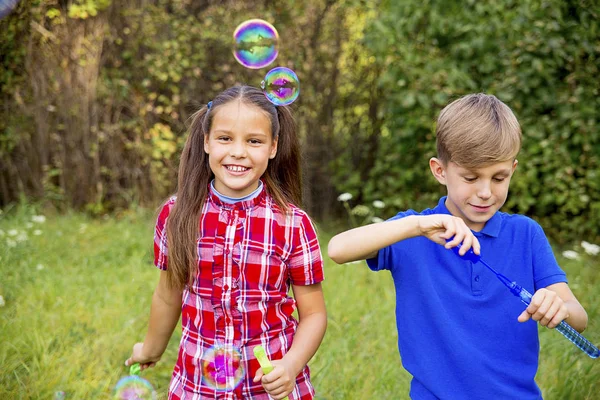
<point x="249" y="254"/>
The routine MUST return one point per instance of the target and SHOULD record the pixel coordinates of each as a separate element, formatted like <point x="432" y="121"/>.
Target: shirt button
<point x="225" y="287"/>
<point x="227" y="319"/>
<point x="476" y="278"/>
<point x="227" y="251"/>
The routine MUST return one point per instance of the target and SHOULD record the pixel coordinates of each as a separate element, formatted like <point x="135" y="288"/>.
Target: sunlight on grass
<point x="76" y="294"/>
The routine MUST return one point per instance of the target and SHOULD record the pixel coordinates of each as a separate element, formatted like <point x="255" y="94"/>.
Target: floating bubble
<point x="281" y="86"/>
<point x="222" y="368"/>
<point x="6" y="7"/>
<point x="134" y="388"/>
<point x="256" y="43"/>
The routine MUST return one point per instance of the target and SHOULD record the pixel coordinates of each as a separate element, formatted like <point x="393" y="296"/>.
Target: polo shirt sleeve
<point x="160" y="236"/>
<point x="305" y="261"/>
<point x="383" y="259"/>
<point x="546" y="270"/>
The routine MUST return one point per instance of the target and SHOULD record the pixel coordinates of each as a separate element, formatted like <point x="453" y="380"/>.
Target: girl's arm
<point x="311" y="329"/>
<point x="553" y="304"/>
<point x="164" y="314"/>
<point x="364" y="242"/>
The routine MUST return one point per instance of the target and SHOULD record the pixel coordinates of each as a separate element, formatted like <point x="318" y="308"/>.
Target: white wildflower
<point x="378" y="204"/>
<point x="37" y="232"/>
<point x="39" y="267"/>
<point x="40" y="219"/>
<point x="590" y="248"/>
<point x="376" y="220"/>
<point x="345" y="197"/>
<point x="11" y="243"/>
<point x="2" y="302"/>
<point x="29" y="225"/>
<point x="13" y="232"/>
<point x="570" y="254"/>
<point x="22" y="237"/>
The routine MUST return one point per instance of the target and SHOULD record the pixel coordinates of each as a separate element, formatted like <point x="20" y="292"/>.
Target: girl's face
<point x="239" y="146"/>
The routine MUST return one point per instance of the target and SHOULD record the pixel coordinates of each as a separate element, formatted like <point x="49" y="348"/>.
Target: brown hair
<point x="282" y="178"/>
<point x="477" y="130"/>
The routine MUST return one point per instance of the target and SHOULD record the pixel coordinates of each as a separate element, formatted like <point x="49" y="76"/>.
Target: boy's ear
<point x="438" y="170"/>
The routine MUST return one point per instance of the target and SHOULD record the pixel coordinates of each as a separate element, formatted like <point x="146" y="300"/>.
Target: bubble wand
<point x="567" y="330"/>
<point x="263" y="360"/>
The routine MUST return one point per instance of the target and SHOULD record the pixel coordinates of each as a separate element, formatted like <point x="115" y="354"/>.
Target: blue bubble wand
<point x="567" y="330"/>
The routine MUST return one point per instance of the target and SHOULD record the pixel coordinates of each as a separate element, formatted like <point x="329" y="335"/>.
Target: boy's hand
<point x="278" y="383"/>
<point x="546" y="307"/>
<point x="138" y="356"/>
<point x="439" y="227"/>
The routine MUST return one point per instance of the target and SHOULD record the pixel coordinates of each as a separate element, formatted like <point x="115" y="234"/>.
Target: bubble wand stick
<point x="567" y="330"/>
<point x="263" y="360"/>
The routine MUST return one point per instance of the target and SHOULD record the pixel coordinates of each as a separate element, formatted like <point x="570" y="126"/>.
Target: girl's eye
<point x="255" y="141"/>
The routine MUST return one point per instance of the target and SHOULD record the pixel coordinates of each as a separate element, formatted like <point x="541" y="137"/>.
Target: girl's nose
<point x="237" y="150"/>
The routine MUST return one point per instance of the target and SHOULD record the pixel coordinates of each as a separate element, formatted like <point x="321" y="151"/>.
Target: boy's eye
<point x="498" y="179"/>
<point x="470" y="179"/>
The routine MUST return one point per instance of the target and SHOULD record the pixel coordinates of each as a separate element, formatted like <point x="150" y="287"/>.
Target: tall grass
<point x="77" y="294"/>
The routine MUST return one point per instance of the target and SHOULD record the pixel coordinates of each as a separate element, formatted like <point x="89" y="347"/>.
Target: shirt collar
<point x="243" y="204"/>
<point x="491" y="227"/>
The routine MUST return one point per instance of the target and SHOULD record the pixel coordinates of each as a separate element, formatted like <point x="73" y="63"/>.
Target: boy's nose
<point x="484" y="191"/>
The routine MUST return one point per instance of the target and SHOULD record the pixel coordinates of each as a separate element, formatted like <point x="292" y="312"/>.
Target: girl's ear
<point x="438" y="170"/>
<point x="273" y="152"/>
<point x="206" y="143"/>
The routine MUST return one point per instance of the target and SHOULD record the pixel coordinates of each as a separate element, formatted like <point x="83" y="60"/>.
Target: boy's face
<point x="474" y="194"/>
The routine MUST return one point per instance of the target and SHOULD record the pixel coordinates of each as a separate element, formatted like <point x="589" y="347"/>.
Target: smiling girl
<point x="230" y="245"/>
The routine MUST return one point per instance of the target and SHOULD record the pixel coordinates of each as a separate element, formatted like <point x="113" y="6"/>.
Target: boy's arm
<point x="364" y="242"/>
<point x="164" y="314"/>
<point x="553" y="304"/>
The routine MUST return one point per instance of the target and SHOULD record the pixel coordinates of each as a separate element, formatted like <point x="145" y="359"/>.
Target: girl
<point x="229" y="246"/>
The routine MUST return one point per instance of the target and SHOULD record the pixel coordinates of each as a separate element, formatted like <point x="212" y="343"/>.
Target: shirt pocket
<point x="263" y="273"/>
<point x="207" y="255"/>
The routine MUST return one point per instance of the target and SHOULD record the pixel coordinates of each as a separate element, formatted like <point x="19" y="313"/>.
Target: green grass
<point x="77" y="295"/>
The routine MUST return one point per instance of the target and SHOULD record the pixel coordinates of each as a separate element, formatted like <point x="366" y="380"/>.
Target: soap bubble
<point x="222" y="367"/>
<point x="6" y="7"/>
<point x="256" y="43"/>
<point x="134" y="388"/>
<point x="281" y="86"/>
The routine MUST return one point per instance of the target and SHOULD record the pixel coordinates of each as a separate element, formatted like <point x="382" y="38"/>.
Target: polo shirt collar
<point x="491" y="228"/>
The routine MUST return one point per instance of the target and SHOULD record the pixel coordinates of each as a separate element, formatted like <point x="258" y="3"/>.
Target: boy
<point x="461" y="334"/>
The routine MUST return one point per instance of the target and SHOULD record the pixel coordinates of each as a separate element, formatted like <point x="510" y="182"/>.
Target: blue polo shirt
<point x="458" y="333"/>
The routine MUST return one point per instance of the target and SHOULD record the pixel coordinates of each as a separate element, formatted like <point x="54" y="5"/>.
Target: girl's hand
<point x="278" y="383"/>
<point x="439" y="227"/>
<point x="138" y="356"/>
<point x="546" y="307"/>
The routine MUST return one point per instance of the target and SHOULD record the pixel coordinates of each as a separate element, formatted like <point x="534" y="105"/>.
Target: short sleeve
<point x="305" y="261"/>
<point x="546" y="270"/>
<point x="383" y="260"/>
<point x="160" y="235"/>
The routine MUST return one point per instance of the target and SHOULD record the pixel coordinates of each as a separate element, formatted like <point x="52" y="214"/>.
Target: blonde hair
<point x="477" y="130"/>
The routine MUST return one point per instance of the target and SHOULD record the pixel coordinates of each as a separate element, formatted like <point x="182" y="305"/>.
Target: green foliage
<point x="540" y="57"/>
<point x="77" y="292"/>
